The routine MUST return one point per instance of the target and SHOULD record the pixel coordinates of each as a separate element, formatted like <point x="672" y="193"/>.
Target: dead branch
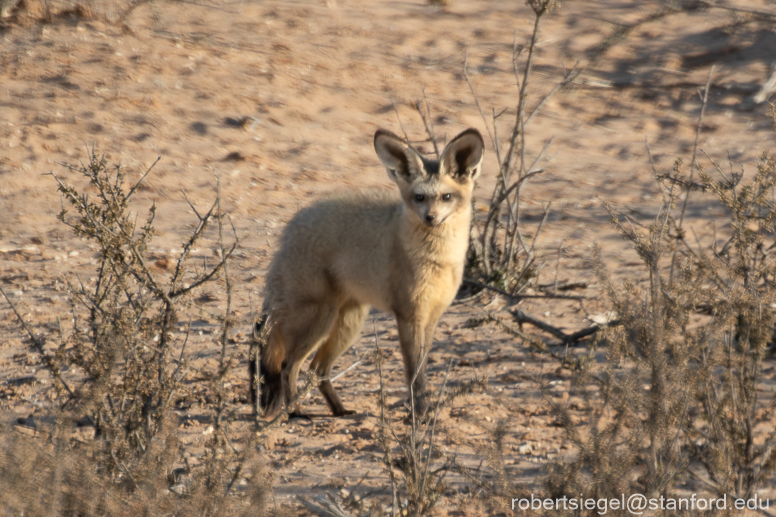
<point x="38" y="344"/>
<point x="687" y="185"/>
<point x="521" y="317"/>
<point x="568" y="286"/>
<point x="537" y="344"/>
<point x="134" y="188"/>
<point x="693" y="166"/>
<point x="343" y="372"/>
<point x="398" y="117"/>
<point x="427" y="123"/>
<point x="493" y="140"/>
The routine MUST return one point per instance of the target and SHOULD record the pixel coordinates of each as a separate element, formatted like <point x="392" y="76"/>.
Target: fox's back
<point x="338" y="246"/>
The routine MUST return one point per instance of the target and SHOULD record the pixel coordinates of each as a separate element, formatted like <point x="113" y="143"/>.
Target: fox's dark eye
<point x="420" y="198"/>
<point x="446" y="197"/>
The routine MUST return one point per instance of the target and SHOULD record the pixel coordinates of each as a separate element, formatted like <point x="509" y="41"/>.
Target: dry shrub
<point x="502" y="255"/>
<point x="737" y="445"/>
<point x="126" y="344"/>
<point x="422" y="486"/>
<point x="679" y="406"/>
<point x="125" y="355"/>
<point x="416" y="466"/>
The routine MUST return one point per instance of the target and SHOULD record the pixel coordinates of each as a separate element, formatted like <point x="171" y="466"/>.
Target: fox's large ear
<point x="462" y="158"/>
<point x="400" y="159"/>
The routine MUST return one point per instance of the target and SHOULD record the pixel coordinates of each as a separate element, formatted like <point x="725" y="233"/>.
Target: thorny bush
<point x="680" y="400"/>
<point x="125" y="358"/>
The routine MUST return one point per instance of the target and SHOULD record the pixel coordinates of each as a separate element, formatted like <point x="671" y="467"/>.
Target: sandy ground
<point x="280" y="100"/>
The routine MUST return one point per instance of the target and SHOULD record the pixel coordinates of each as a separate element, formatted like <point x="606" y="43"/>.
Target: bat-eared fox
<point x="341" y="256"/>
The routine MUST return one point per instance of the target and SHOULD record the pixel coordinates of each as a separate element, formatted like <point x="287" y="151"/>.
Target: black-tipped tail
<point x="265" y="384"/>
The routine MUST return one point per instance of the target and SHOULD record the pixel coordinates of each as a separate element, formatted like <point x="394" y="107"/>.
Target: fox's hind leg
<point x="346" y="329"/>
<point x="303" y="332"/>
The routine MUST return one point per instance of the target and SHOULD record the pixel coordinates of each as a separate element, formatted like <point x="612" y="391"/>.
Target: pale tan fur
<point x="404" y="255"/>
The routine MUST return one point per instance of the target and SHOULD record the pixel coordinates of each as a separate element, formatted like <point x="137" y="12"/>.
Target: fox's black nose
<point x="430" y="218"/>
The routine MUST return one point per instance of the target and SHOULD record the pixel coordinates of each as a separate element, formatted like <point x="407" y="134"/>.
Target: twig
<point x="427" y="123"/>
<point x="132" y="190"/>
<point x="206" y="277"/>
<point x="224" y="258"/>
<point x="495" y="207"/>
<point x="52" y="367"/>
<point x="191" y="205"/>
<point x="557" y="266"/>
<point x="346" y="370"/>
<point x="694" y="163"/>
<point x="651" y="158"/>
<point x="690" y="186"/>
<point x="123" y="468"/>
<point x="517" y="130"/>
<point x="497" y="147"/>
<point x="477" y="99"/>
<point x="568" y="286"/>
<point x="536" y="343"/>
<point x="530" y="252"/>
<point x="209" y="6"/>
<point x="568" y="78"/>
<point x="728" y="180"/>
<point x="398" y="117"/>
<point x="693" y="166"/>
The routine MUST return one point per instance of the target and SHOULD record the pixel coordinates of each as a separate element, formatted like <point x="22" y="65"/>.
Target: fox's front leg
<point x="416" y="335"/>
